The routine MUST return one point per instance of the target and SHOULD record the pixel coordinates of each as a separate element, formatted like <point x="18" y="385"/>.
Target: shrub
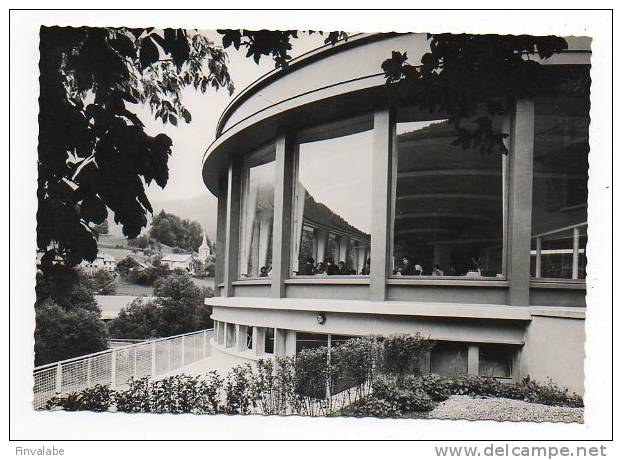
<point x="550" y="394"/>
<point x="402" y="354"/>
<point x="373" y="407"/>
<point x="98" y="398"/>
<point x="407" y="399"/>
<point x="311" y="373"/>
<point x="238" y="390"/>
<point x="435" y="386"/>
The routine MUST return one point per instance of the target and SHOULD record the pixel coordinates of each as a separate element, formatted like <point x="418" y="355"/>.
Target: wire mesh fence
<point x="115" y="366"/>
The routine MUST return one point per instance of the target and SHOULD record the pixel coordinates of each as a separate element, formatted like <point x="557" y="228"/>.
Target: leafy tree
<point x="173" y="231"/>
<point x="101" y="229"/>
<point x="68" y="319"/>
<point x="62" y="333"/>
<point x="99" y="281"/>
<point x="178" y="309"/>
<point x="126" y="264"/>
<point x="94" y="154"/>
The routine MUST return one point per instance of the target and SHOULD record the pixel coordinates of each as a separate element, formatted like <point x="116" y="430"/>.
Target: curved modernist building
<point x="345" y="210"/>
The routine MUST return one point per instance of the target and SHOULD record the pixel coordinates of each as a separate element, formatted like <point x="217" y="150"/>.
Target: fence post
<point x="169" y="355"/>
<point x="183" y="351"/>
<point x="153" y="360"/>
<point x="575" y="253"/>
<point x="88" y="372"/>
<point x="204" y="344"/>
<point x="135" y="374"/>
<point x="59" y="378"/>
<point x="113" y="370"/>
<point x="194" y="348"/>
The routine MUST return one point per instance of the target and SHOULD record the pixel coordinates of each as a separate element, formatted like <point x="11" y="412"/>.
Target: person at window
<point x="308" y="267"/>
<point x="366" y="268"/>
<point x="341" y="267"/>
<point x="407" y="268"/>
<point x="474" y="267"/>
<point x="263" y="272"/>
<point x="321" y="269"/>
<point x="331" y="268"/>
<point x="437" y="270"/>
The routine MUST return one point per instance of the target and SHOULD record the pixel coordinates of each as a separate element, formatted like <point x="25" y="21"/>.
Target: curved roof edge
<point x="296" y="63"/>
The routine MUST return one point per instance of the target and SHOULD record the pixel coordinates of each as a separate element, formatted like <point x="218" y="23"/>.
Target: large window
<point x="257" y="214"/>
<point x="448" y="216"/>
<point x="332" y="204"/>
<point x="560" y="170"/>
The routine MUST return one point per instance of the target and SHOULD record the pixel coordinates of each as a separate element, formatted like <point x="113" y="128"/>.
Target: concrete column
<point x="360" y="263"/>
<point x="473" y="359"/>
<point x="519" y="201"/>
<point x="516" y="366"/>
<point x="384" y="138"/>
<point x="314" y="250"/>
<point x="425" y="363"/>
<point x="283" y="201"/>
<point x="232" y="228"/>
<point x="259" y="340"/>
<point x="290" y="343"/>
<point x="344" y="244"/>
<point x="221" y="228"/>
<point x="240" y="337"/>
<point x="321" y="236"/>
<point x="279" y="342"/>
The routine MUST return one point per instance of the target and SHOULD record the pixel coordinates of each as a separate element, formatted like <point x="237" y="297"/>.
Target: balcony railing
<point x="115" y="366"/>
<point x="563" y="237"/>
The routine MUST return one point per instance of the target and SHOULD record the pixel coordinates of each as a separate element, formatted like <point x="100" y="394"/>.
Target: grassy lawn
<point x="124" y="287"/>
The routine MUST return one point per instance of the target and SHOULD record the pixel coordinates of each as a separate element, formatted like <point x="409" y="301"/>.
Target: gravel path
<point x="501" y="409"/>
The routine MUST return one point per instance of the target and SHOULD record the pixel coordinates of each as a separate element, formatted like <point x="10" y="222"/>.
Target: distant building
<point x="204" y="250"/>
<point x="103" y="260"/>
<point x="178" y="261"/>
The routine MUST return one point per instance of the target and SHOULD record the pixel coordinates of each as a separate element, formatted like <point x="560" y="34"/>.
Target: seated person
<point x="367" y="268"/>
<point x="263" y="272"/>
<point x="321" y="269"/>
<point x="437" y="271"/>
<point x="331" y="268"/>
<point x="407" y="268"/>
<point x="341" y="267"/>
<point x="307" y="268"/>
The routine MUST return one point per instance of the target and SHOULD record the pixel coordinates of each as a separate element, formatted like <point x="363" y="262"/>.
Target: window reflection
<point x="448" y="215"/>
<point x="332" y="207"/>
<point x="257" y="214"/>
<point x="559" y="213"/>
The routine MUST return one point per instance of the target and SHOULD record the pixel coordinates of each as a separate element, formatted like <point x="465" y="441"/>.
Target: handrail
<point x="117" y="349"/>
<point x="116" y="366"/>
<point x="559" y="230"/>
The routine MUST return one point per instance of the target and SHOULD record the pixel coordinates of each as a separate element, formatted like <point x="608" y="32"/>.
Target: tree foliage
<point x="174" y="231"/>
<point x="471" y="79"/>
<point x="94" y="154"/>
<point x="274" y="43"/>
<point x="464" y="72"/>
<point x="178" y="309"/>
<point x="68" y="319"/>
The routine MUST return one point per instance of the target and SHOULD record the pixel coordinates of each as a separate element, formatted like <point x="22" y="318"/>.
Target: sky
<point x="191" y="140"/>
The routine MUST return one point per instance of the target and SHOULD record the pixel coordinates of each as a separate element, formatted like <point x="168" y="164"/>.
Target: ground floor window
<point x="449" y="359"/>
<point x="269" y="341"/>
<point x="496" y="360"/>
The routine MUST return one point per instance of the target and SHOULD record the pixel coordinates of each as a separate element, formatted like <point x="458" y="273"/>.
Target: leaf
<point x="148" y="52"/>
<point x="173" y="119"/>
<point x="123" y="45"/>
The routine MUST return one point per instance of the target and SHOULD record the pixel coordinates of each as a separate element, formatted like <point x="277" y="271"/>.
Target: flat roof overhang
<point x="421" y="309"/>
